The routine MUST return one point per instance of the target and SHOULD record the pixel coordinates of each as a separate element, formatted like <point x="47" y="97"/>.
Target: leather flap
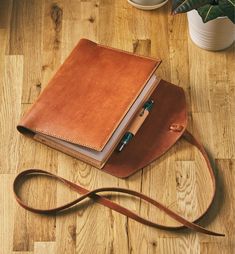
<point x="162" y="128"/>
<point x="89" y="95"/>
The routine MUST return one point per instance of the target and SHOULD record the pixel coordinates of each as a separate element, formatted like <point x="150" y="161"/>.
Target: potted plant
<point x="211" y="22"/>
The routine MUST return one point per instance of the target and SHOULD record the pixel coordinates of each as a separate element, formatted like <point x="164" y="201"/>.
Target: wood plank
<point x="22" y="252"/>
<point x="44" y="247"/>
<point x="178" y="53"/>
<point x="7" y="209"/>
<point x="223" y="105"/>
<point x="33" y="227"/>
<point x="217" y="248"/>
<point x="26" y="39"/>
<point x="188" y="244"/>
<point x="51" y="42"/>
<point x="66" y="223"/>
<point x="10" y="100"/>
<point x="5" y="10"/>
<point x="222" y="216"/>
<point x="158" y="24"/>
<point x="35" y="38"/>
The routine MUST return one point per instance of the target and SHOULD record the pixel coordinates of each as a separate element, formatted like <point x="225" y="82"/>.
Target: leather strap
<point x="94" y="195"/>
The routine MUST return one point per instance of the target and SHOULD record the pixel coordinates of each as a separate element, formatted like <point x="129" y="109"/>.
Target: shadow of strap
<point x="94" y="195"/>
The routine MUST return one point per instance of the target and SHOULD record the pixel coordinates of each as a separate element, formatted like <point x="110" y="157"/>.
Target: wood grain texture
<point x="35" y="37"/>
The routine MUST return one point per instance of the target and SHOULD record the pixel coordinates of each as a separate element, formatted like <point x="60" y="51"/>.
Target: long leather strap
<point x="94" y="195"/>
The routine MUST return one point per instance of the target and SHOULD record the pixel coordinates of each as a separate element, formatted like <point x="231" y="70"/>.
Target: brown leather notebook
<point x="97" y="96"/>
<point x="89" y="103"/>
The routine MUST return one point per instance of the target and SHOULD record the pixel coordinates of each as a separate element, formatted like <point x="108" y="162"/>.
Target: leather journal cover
<point x="97" y="96"/>
<point x="91" y="100"/>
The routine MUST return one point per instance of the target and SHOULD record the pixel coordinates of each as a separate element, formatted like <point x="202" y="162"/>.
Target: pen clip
<point x="147" y="106"/>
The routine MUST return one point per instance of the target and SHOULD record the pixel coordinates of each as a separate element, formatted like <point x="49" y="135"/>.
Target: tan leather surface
<point x="56" y="145"/>
<point x="157" y="134"/>
<point x="138" y="121"/>
<point x="89" y="95"/>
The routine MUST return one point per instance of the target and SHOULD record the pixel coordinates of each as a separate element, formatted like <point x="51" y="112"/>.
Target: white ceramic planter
<point x="148" y="2"/>
<point x="214" y="35"/>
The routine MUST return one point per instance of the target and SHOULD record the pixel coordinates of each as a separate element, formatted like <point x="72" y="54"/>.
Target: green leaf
<point x="209" y="12"/>
<point x="180" y="6"/>
<point x="208" y="9"/>
<point x="228" y="8"/>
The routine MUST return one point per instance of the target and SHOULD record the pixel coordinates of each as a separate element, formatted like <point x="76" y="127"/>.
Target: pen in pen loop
<point x="136" y="125"/>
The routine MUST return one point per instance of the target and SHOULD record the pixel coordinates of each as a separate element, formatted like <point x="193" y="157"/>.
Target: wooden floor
<point x="35" y="38"/>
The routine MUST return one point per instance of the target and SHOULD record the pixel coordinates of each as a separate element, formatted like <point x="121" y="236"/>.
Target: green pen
<point x="129" y="135"/>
